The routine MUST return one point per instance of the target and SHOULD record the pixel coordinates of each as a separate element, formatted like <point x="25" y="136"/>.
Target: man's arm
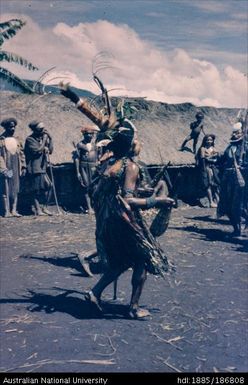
<point x="34" y="147"/>
<point x="76" y="162"/>
<point x="202" y="129"/>
<point x="50" y="145"/>
<point x="48" y="142"/>
<point x="22" y="160"/>
<point x="132" y="173"/>
<point x="82" y="146"/>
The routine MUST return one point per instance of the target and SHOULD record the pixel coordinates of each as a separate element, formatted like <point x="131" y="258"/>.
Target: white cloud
<point x="140" y="69"/>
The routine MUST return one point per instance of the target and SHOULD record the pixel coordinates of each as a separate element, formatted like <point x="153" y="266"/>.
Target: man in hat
<point x="196" y="128"/>
<point x="12" y="166"/>
<point x="85" y="159"/>
<point x="234" y="182"/>
<point x="38" y="146"/>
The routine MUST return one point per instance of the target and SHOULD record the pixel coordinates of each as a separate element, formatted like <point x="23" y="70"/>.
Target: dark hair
<point x="121" y="144"/>
<point x="34" y="124"/>
<point x="122" y="138"/>
<point x="205" y="138"/>
<point x="199" y="115"/>
<point x="6" y="122"/>
<point x="203" y="144"/>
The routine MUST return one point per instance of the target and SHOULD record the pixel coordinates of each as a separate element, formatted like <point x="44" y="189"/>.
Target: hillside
<point x="161" y="127"/>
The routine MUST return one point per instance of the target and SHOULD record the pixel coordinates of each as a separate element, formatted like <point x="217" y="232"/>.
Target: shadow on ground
<point x="211" y="235"/>
<point x="68" y="302"/>
<point x="71" y="262"/>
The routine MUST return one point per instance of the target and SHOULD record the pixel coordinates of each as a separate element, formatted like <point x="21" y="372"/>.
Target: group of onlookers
<point x="27" y="166"/>
<point x="24" y="167"/>
<point x="223" y="176"/>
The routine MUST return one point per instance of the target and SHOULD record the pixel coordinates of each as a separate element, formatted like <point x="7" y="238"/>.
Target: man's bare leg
<point x="37" y="207"/>
<point x="108" y="277"/>
<point x="195" y="141"/>
<point x="138" y="281"/>
<point x="236" y="226"/>
<point x="210" y="198"/>
<point x="88" y="205"/>
<point x="186" y="140"/>
<point x="48" y="195"/>
<point x="14" y="208"/>
<point x="6" y="210"/>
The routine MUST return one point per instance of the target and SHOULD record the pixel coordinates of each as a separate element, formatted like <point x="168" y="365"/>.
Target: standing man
<point x="85" y="160"/>
<point x="12" y="166"/>
<point x="196" y="128"/>
<point x="234" y="182"/>
<point x="38" y="147"/>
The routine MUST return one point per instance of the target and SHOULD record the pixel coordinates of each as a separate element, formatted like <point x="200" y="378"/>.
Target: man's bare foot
<point x="85" y="263"/>
<point x="39" y="213"/>
<point x="213" y="205"/>
<point x="91" y="298"/>
<point x="15" y="214"/>
<point x="138" y="313"/>
<point x="46" y="211"/>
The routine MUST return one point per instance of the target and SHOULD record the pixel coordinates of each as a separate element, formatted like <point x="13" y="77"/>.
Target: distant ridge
<point x="5" y="86"/>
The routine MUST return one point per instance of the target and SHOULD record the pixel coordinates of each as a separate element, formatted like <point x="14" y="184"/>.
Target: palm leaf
<point x="17" y="23"/>
<point x="15" y="81"/>
<point x="13" y="58"/>
<point x="9" y="29"/>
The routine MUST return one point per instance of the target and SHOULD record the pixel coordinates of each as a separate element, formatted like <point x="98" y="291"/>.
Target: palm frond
<point x="13" y="58"/>
<point x="15" y="81"/>
<point x="8" y="29"/>
<point x="13" y="22"/>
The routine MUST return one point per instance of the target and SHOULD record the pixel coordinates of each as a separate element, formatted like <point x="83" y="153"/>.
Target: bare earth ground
<point x="198" y="317"/>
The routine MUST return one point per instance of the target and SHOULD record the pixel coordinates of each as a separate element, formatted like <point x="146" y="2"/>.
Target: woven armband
<point x="150" y="202"/>
<point x="128" y="192"/>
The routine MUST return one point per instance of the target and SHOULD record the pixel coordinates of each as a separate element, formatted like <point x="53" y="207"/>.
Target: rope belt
<point x="83" y="163"/>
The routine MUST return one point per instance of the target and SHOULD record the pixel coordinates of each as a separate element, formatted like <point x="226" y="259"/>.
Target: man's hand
<point x="170" y="201"/>
<point x="80" y="179"/>
<point x="23" y="171"/>
<point x="8" y="173"/>
<point x="68" y="93"/>
<point x="47" y="134"/>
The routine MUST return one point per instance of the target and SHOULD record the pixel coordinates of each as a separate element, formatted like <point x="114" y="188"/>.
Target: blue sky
<point x="204" y="30"/>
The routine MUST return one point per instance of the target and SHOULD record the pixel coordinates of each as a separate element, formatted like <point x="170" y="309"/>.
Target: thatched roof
<point x="161" y="127"/>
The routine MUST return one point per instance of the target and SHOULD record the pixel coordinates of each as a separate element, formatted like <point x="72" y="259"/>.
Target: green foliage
<point x="9" y="29"/>
<point x="15" y="80"/>
<point x="13" y="58"/>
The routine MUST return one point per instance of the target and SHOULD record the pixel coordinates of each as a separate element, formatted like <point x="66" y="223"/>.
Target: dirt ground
<point x="198" y="317"/>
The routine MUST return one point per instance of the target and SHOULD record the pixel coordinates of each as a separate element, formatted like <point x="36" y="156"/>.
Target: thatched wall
<point x="161" y="127"/>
